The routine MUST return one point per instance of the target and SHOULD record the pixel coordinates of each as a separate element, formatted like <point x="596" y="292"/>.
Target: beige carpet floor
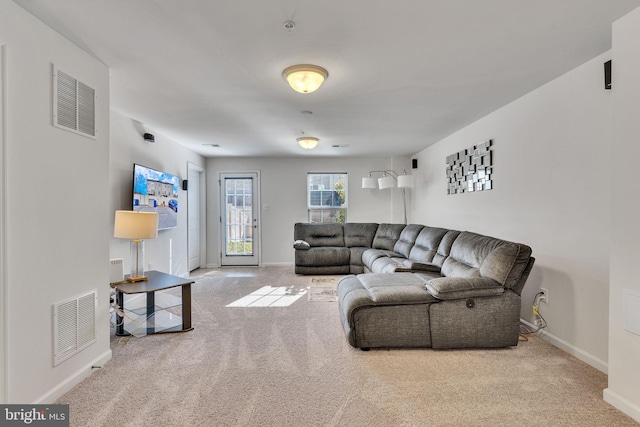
<point x="291" y="366"/>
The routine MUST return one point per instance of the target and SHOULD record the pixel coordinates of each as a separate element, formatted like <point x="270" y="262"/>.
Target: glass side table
<point x="147" y="310"/>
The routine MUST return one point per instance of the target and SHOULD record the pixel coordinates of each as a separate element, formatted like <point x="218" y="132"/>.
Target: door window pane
<point x="239" y="216"/>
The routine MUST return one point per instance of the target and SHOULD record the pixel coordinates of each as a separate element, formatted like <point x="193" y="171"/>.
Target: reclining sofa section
<point x="449" y="289"/>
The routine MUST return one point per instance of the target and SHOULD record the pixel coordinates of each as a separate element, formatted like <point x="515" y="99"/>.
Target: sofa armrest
<point x="421" y="266"/>
<point x="301" y="244"/>
<point x="449" y="288"/>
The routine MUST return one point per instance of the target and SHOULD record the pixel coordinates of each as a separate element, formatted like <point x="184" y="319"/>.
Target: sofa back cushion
<point x="387" y="235"/>
<point x="359" y="234"/>
<point x="444" y="249"/>
<point x="407" y="239"/>
<point x="426" y="245"/>
<point x="328" y="234"/>
<point x="475" y="255"/>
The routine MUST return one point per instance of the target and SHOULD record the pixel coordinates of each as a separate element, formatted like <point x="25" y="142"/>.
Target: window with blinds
<point x="327" y="197"/>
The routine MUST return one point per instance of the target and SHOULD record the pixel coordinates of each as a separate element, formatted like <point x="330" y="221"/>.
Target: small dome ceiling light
<point x="308" y="142"/>
<point x="305" y="78"/>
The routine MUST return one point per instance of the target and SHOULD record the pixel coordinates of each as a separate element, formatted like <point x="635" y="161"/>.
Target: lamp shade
<point x="369" y="182"/>
<point x="305" y="78"/>
<point x="386" y="182"/>
<point x="136" y="225"/>
<point x="307" y="142"/>
<point x="405" y="181"/>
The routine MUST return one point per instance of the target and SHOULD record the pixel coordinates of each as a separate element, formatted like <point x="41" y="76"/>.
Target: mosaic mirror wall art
<point x="470" y="170"/>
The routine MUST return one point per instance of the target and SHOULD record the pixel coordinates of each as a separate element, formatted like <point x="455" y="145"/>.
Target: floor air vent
<point x="74" y="326"/>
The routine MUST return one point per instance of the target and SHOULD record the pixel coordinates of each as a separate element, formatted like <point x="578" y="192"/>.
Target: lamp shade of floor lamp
<point x="369" y="182"/>
<point x="386" y="181"/>
<point x="136" y="226"/>
<point x="391" y="179"/>
<point x="405" y="181"/>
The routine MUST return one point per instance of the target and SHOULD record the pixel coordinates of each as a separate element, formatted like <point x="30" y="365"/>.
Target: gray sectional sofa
<point x="419" y="286"/>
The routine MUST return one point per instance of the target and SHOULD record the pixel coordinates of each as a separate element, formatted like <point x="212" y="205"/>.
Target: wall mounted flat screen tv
<point x="156" y="191"/>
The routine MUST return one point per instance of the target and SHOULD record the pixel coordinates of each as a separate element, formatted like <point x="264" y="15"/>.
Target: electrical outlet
<point x="538" y="322"/>
<point x="545" y="295"/>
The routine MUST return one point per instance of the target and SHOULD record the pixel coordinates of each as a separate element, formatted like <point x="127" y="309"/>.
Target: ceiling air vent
<point x="74" y="105"/>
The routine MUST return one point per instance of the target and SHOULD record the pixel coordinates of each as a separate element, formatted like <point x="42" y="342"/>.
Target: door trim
<point x="256" y="203"/>
<point x="4" y="387"/>
<point x="203" y="213"/>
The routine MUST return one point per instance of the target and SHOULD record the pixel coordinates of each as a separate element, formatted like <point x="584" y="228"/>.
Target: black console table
<point x="145" y="317"/>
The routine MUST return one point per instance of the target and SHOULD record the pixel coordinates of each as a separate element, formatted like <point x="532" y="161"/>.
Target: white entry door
<point x="239" y="218"/>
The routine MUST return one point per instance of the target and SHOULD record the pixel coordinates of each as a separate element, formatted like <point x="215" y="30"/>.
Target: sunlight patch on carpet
<point x="269" y="296"/>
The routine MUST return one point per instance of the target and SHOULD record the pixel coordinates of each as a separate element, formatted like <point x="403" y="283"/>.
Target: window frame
<point x="338" y="214"/>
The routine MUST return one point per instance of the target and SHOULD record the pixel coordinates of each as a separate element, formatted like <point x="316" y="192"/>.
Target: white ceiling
<point x="402" y="74"/>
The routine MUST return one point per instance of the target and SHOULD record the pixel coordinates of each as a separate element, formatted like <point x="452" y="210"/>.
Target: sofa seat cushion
<point x="400" y="288"/>
<point x="384" y="261"/>
<point x="388" y="265"/>
<point x="323" y="256"/>
<point x="372" y="289"/>
<point x="370" y="255"/>
<point x="448" y="288"/>
<point x="412" y="265"/>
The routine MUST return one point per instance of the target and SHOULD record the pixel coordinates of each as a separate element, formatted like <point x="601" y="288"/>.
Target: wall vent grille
<point x="74" y="326"/>
<point x="74" y="105"/>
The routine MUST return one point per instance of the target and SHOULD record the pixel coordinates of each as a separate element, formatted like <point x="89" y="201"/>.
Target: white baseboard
<point x="264" y="264"/>
<point x="278" y="264"/>
<point x="59" y="390"/>
<point x="621" y="404"/>
<point x="587" y="358"/>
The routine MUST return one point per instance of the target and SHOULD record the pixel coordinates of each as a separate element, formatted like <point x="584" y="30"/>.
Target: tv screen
<point x="155" y="191"/>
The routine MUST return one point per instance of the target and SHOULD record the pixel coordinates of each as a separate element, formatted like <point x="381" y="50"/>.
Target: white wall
<point x="284" y="189"/>
<point x="624" y="346"/>
<point x="169" y="252"/>
<point x="56" y="208"/>
<point x="551" y="191"/>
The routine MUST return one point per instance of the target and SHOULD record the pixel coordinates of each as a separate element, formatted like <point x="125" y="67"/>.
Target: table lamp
<point x="136" y="226"/>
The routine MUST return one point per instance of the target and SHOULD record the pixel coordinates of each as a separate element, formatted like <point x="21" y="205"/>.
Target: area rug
<point x="324" y="288"/>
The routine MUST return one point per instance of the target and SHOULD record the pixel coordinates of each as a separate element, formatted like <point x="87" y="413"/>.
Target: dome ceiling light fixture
<point x="305" y="78"/>
<point x="308" y="142"/>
